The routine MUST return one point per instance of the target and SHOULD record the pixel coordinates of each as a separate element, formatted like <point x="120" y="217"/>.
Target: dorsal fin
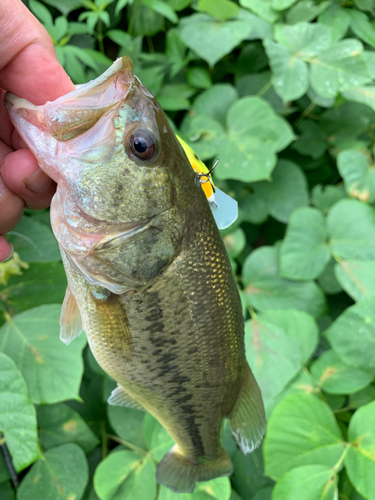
<point x="70" y="319"/>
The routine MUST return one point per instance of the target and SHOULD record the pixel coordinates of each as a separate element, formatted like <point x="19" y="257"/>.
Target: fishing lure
<point x="223" y="207"/>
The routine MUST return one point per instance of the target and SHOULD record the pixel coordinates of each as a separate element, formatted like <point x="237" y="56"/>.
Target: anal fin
<point x="247" y="417"/>
<point x="70" y="318"/>
<point x="119" y="397"/>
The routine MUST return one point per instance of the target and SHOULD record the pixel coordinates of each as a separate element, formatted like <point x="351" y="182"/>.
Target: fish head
<point x="109" y="144"/>
<point x="126" y="190"/>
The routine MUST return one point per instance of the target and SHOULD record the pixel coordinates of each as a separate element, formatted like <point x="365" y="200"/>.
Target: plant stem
<point x="126" y="443"/>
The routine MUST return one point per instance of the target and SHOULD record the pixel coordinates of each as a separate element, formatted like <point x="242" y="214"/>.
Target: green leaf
<point x="6" y="491"/>
<point x="258" y="83"/>
<point x="263" y="8"/>
<point x="306" y="10"/>
<point x="351" y="228"/>
<point x="255" y="135"/>
<point x="266" y="290"/>
<point x="211" y="39"/>
<point x="335" y="377"/>
<point x="282" y="4"/>
<point x="128" y="424"/>
<point x="324" y="197"/>
<point x="304" y="40"/>
<point x="301" y="383"/>
<point x="328" y="281"/>
<point x="66" y="6"/>
<point x="217" y="489"/>
<point x="278" y="343"/>
<point x="59" y="424"/>
<point x="163" y="9"/>
<point x="358" y="174"/>
<point x="337" y="19"/>
<point x="339" y="68"/>
<point x="40" y="284"/>
<point x="285" y="192"/>
<point x="310" y="429"/>
<point x="356" y="350"/>
<point x="264" y="494"/>
<point x="203" y="134"/>
<point x="34" y="242"/>
<point x="304" y="253"/>
<point x="175" y="96"/>
<point x="51" y="369"/>
<point x="248" y="475"/>
<point x="125" y="475"/>
<point x="289" y="74"/>
<point x="145" y="21"/>
<point x="365" y="95"/>
<point x="357" y="277"/>
<point x="311" y="482"/>
<point x="41" y="12"/>
<point x="363" y="397"/>
<point x="215" y="102"/>
<point x="17" y="415"/>
<point x="360" y="460"/>
<point x="235" y="242"/>
<point x="362" y="27"/>
<point x="156" y="437"/>
<point x="199" y="77"/>
<point x="62" y="474"/>
<point x="310" y="142"/>
<point x="220" y="9"/>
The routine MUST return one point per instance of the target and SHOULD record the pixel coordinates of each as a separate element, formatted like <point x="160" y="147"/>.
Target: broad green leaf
<point x="255" y="134"/>
<point x="328" y="281"/>
<point x="59" y="424"/>
<point x="362" y="27"/>
<point x="175" y="96"/>
<point x="66" y="6"/>
<point x="357" y="277"/>
<point x="357" y="350"/>
<point x="265" y="290"/>
<point x="252" y="208"/>
<point x="217" y="489"/>
<point x="309" y="428"/>
<point x="199" y="77"/>
<point x="358" y="174"/>
<point x="62" y="474"/>
<point x="248" y="475"/>
<point x="303" y="252"/>
<point x="6" y="491"/>
<point x="339" y="68"/>
<point x="40" y="284"/>
<point x="145" y="21"/>
<point x="178" y="5"/>
<point x="127" y="423"/>
<point x="162" y="8"/>
<point x="306" y="10"/>
<point x="362" y="397"/>
<point x="337" y="19"/>
<point x="304" y="40"/>
<point x="282" y="4"/>
<point x="34" y="242"/>
<point x="235" y="242"/>
<point x="324" y="197"/>
<point x="203" y="134"/>
<point x="259" y="83"/>
<point x="17" y="415"/>
<point x="263" y="8"/>
<point x="360" y="460"/>
<point x="220" y="9"/>
<point x="125" y="475"/>
<point x="365" y="95"/>
<point x="286" y="191"/>
<point x="263" y="494"/>
<point x="278" y="343"/>
<point x="52" y="370"/>
<point x="303" y="382"/>
<point x="335" y="377"/>
<point x="156" y="437"/>
<point x="310" y="482"/>
<point x="351" y="230"/>
<point x="289" y="73"/>
<point x="211" y="39"/>
<point x="215" y="102"/>
<point x="311" y="141"/>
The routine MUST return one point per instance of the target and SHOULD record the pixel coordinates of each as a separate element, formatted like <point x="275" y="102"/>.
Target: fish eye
<point x="143" y="145"/>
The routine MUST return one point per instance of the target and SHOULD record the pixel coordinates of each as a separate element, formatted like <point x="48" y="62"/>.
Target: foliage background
<point x="283" y="92"/>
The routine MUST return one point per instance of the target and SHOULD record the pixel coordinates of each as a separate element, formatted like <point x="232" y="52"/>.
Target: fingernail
<point x="2" y="186"/>
<point x="10" y="253"/>
<point x="39" y="183"/>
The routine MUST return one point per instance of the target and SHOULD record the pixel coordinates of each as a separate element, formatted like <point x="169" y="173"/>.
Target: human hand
<point x="28" y="68"/>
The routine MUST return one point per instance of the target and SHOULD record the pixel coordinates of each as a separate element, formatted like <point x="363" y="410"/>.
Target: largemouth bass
<point x="149" y="278"/>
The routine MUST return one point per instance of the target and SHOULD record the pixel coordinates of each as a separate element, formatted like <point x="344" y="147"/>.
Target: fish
<point x="149" y="279"/>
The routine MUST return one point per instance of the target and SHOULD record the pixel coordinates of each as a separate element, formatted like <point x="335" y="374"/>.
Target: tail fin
<point x="247" y="418"/>
<point x="180" y="473"/>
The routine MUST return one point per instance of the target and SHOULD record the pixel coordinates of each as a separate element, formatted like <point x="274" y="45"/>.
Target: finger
<point x="11" y="208"/>
<point x="6" y="250"/>
<point x="23" y="177"/>
<point x="28" y="64"/>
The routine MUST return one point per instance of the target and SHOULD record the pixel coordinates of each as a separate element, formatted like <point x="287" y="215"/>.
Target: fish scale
<point x="149" y="279"/>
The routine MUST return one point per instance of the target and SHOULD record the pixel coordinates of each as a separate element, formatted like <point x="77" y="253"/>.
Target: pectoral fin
<point x="70" y="319"/>
<point x="119" y="397"/>
<point x="247" y="418"/>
